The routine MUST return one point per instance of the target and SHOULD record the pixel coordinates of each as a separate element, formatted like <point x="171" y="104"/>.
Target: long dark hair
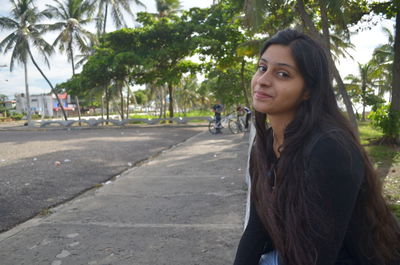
<point x="285" y="212"/>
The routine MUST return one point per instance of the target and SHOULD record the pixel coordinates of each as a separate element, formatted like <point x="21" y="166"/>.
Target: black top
<point x="338" y="172"/>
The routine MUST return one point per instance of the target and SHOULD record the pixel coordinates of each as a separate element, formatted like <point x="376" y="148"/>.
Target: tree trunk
<point x="51" y="86"/>
<point x="122" y="98"/>
<point x="244" y="86"/>
<point x="363" y="95"/>
<point x="395" y="103"/>
<point x="107" y="105"/>
<point x="308" y="24"/>
<point x="79" y="109"/>
<point x="326" y="36"/>
<point x="164" y="100"/>
<point x="171" y="100"/>
<point x="325" y="25"/>
<point x="161" y="101"/>
<point x="71" y="52"/>
<point x="105" y="19"/>
<point x="102" y="109"/>
<point x="127" y="103"/>
<point x="28" y="98"/>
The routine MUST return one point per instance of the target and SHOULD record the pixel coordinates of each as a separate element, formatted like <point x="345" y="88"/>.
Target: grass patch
<point x="382" y="154"/>
<point x="368" y="133"/>
<point x="395" y="209"/>
<point x="196" y="113"/>
<point x="142" y="116"/>
<point x="386" y="160"/>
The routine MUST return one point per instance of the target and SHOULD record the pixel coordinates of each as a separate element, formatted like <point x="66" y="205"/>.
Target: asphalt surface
<point x="43" y="168"/>
<point x="183" y="207"/>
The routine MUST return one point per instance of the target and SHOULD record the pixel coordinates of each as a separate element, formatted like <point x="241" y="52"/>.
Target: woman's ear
<point x="306" y="95"/>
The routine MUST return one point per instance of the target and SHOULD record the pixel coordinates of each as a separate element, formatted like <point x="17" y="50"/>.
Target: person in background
<point x="217" y="109"/>
<point x="241" y="111"/>
<point x="315" y="196"/>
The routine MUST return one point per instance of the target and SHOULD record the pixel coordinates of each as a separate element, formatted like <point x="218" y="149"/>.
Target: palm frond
<point x="8" y="42"/>
<point x="8" y="23"/>
<point x="117" y="16"/>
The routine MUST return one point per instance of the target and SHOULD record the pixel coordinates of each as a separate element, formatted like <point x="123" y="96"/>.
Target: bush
<point x="386" y="120"/>
<point x="36" y="116"/>
<point x="17" y="116"/>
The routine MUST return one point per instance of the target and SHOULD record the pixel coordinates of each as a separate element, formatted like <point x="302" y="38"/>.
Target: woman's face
<point x="278" y="86"/>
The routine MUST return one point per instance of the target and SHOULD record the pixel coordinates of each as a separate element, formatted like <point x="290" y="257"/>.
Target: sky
<point x="60" y="71"/>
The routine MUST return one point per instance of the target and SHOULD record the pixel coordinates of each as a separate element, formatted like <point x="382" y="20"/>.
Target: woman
<point x="315" y="197"/>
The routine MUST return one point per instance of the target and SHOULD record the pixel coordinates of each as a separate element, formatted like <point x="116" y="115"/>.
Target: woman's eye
<point x="283" y="74"/>
<point x="262" y="68"/>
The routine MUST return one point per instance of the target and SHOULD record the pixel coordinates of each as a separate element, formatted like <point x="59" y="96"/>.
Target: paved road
<point x="42" y="168"/>
<point x="183" y="207"/>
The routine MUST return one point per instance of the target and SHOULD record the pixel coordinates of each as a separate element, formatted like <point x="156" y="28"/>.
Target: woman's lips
<point x="261" y="95"/>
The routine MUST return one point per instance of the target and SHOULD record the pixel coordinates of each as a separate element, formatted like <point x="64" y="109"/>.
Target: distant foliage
<point x="388" y="121"/>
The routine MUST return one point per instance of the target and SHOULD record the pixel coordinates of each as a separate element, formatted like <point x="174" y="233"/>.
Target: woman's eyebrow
<point x="280" y="64"/>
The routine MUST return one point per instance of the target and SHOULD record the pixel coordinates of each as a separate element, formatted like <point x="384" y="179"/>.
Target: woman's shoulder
<point x="334" y="150"/>
<point x="328" y="139"/>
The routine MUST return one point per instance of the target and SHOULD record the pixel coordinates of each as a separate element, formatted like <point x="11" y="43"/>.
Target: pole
<point x="79" y="110"/>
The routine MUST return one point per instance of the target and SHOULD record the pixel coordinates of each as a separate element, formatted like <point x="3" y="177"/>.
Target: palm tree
<point x="187" y="95"/>
<point x="366" y="82"/>
<point x="116" y="12"/>
<point x="383" y="57"/>
<point x="26" y="32"/>
<point x="167" y="7"/>
<point x="74" y="14"/>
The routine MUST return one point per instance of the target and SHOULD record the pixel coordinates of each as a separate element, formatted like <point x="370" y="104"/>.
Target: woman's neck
<point x="278" y="125"/>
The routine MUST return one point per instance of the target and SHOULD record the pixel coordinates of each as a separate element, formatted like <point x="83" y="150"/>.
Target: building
<point x="45" y="105"/>
<point x="8" y="104"/>
<point x="7" y="107"/>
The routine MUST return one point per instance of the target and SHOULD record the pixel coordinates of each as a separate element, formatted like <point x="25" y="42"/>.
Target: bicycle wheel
<point x="234" y="126"/>
<point x="211" y="127"/>
<point x="241" y="125"/>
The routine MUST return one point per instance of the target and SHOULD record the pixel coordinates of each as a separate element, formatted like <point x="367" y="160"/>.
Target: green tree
<point x="74" y="14"/>
<point x="140" y="97"/>
<point x="26" y="33"/>
<point x="226" y="84"/>
<point x="163" y="46"/>
<point x="391" y="9"/>
<point x="117" y="6"/>
<point x="223" y="43"/>
<point x="364" y="85"/>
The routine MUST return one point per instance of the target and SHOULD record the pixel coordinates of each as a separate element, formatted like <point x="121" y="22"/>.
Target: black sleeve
<point x="337" y="172"/>
<point x="253" y="240"/>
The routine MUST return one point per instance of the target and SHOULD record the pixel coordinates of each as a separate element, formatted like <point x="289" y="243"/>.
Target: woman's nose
<point x="264" y="78"/>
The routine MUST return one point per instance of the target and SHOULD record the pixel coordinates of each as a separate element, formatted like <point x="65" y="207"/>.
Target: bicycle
<point x="237" y="125"/>
<point x="212" y="125"/>
<point x="234" y="122"/>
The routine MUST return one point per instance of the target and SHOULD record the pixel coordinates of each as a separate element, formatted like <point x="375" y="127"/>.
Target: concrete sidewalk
<point x="184" y="207"/>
